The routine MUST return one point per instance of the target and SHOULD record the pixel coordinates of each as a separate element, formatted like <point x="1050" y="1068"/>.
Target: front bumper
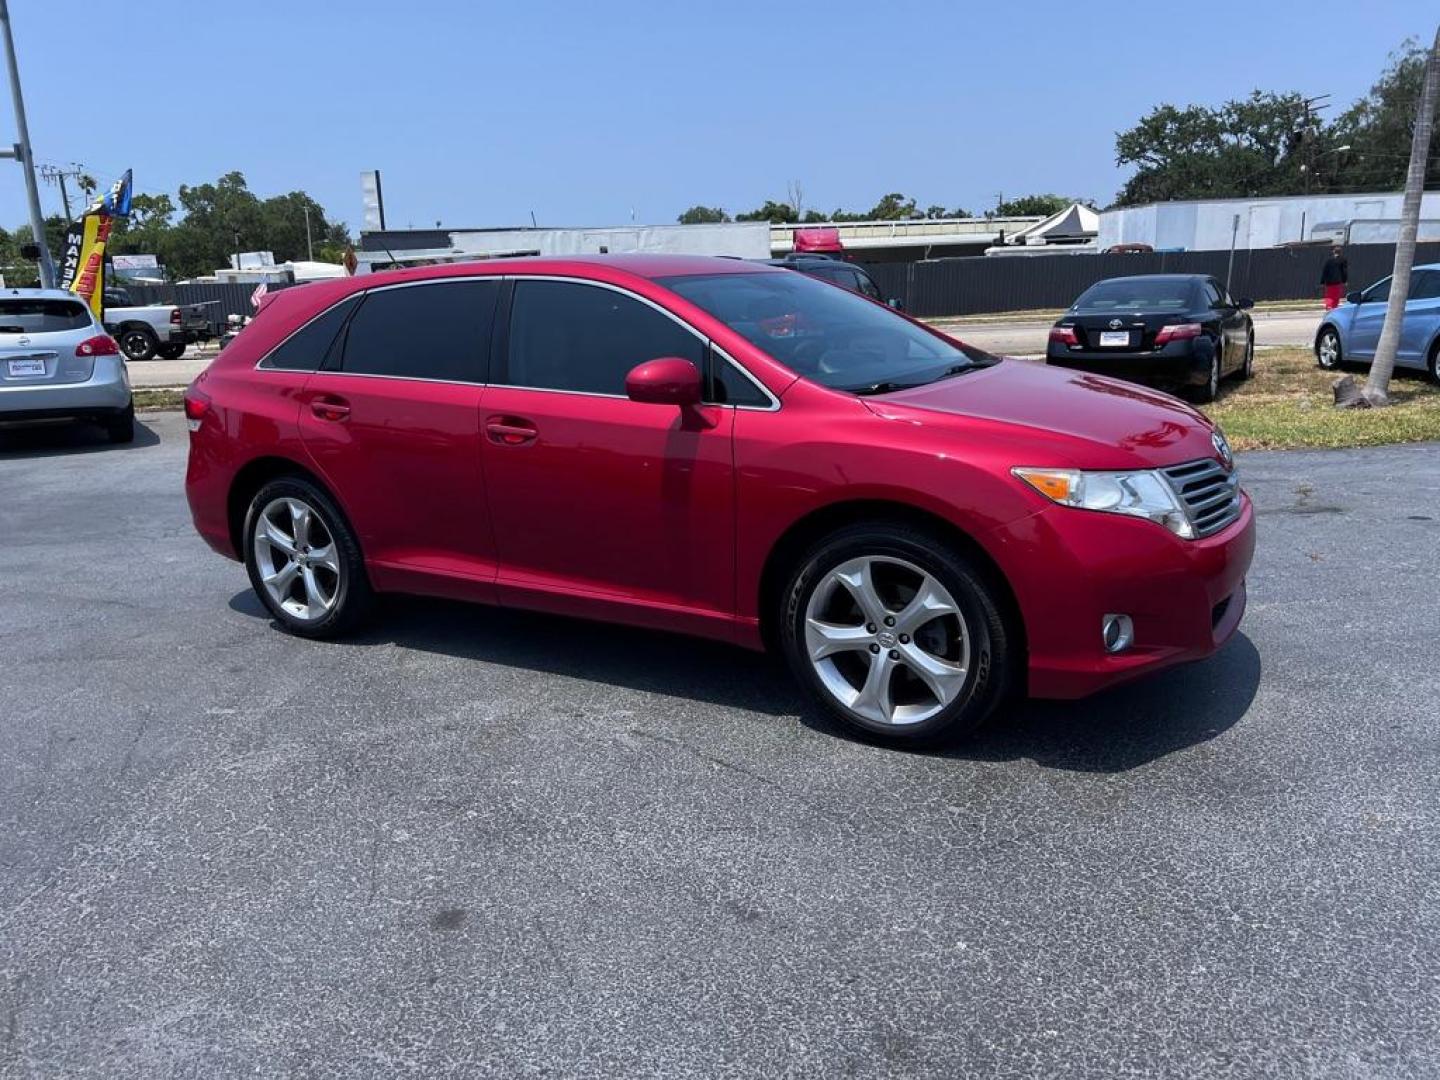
<point x="106" y="392"/>
<point x="1069" y="568"/>
<point x="1174" y="366"/>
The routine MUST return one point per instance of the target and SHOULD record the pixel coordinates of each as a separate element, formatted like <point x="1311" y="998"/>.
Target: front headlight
<point x="1142" y="493"/>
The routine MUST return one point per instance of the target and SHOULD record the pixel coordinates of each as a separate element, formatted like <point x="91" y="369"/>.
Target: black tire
<point x="1434" y="364"/>
<point x="353" y="598"/>
<point x="121" y="429"/>
<point x="988" y="673"/>
<point x="1247" y="367"/>
<point x="138" y="343"/>
<point x="171" y="350"/>
<point x="1203" y="395"/>
<point x="1331" y="337"/>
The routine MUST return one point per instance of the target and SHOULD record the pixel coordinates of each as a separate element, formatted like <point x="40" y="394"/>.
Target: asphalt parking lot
<point x="481" y="843"/>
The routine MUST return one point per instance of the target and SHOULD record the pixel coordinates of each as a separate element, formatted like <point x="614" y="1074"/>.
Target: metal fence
<point x="220" y="300"/>
<point x="972" y="286"/>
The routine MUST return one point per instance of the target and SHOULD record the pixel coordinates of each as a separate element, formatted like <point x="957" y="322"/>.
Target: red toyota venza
<point x="724" y="449"/>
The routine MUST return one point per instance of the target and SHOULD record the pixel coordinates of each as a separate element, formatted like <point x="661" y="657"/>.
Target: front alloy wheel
<point x="895" y="635"/>
<point x="1327" y="350"/>
<point x="303" y="560"/>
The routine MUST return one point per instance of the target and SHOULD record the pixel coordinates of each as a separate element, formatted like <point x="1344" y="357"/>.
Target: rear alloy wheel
<point x="1434" y="364"/>
<point x="895" y="635"/>
<point x="138" y="343"/>
<point x="1211" y="390"/>
<point x="303" y="560"/>
<point x="1328" y="353"/>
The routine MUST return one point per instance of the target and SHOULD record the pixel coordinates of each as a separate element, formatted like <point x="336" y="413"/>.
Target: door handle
<point x="510" y="431"/>
<point x="330" y="408"/>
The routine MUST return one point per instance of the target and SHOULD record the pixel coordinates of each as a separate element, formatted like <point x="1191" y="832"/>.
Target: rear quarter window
<point x="29" y="316"/>
<point x="307" y="348"/>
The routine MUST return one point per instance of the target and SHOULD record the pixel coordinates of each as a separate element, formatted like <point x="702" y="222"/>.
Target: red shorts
<point x="1334" y="294"/>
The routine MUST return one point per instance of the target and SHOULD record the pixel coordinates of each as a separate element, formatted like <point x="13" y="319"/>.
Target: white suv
<point x="56" y="361"/>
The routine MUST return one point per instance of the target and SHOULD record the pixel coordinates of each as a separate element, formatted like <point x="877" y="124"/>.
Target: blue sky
<point x="479" y="112"/>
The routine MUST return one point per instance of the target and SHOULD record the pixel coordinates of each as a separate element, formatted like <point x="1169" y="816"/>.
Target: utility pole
<point x="309" y="246"/>
<point x="52" y="175"/>
<point x="21" y="152"/>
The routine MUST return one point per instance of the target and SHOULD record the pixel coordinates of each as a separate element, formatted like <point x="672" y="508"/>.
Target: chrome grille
<point x="1211" y="495"/>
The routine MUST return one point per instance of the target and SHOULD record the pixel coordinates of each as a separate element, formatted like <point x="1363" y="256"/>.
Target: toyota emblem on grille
<point x="1116" y="324"/>
<point x="1222" y="447"/>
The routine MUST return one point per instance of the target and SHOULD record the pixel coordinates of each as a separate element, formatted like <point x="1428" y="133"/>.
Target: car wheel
<point x="138" y="343"/>
<point x="172" y="351"/>
<point x="1247" y="368"/>
<point x="1434" y="364"/>
<point x="121" y="429"/>
<point x="1211" y="390"/>
<point x="896" y="635"/>
<point x="304" y="560"/>
<point x="1328" y="353"/>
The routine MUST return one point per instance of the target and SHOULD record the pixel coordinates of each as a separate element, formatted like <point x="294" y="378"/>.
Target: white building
<point x="1208" y="224"/>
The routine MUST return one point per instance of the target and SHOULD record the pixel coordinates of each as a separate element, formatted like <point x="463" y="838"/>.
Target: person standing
<point x="1334" y="277"/>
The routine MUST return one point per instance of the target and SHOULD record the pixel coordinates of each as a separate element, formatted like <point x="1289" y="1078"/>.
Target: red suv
<point x="723" y="449"/>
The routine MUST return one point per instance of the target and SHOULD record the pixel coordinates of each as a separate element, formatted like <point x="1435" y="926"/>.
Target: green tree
<point x="1043" y="205"/>
<point x="703" y="215"/>
<point x="1378" y="129"/>
<point x="1254" y="146"/>
<point x="773" y="212"/>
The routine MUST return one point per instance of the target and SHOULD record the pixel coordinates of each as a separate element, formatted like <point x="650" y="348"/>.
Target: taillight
<point x="1177" y="332"/>
<point x="99" y="345"/>
<point x="197" y="407"/>
<point x="1064" y="335"/>
<point x="175" y="316"/>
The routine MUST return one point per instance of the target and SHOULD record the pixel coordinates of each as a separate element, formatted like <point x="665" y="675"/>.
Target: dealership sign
<point x="134" y="262"/>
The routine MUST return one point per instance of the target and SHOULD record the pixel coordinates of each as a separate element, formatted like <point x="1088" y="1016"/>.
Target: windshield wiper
<point x="882" y="387"/>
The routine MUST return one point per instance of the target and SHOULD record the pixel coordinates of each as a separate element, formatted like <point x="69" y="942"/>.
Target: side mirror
<point x="1244" y="303"/>
<point x="666" y="381"/>
<point x="1354" y="297"/>
<point x="895" y="304"/>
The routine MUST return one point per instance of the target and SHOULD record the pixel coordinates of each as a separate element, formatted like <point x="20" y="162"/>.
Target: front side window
<point x="434" y="330"/>
<point x="586" y="338"/>
<point x="1378" y="293"/>
<point x="831" y="336"/>
<point x="867" y="286"/>
<point x="306" y="348"/>
<point x="20" y="315"/>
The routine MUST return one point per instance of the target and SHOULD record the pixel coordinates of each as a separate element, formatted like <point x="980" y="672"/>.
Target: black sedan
<point x="1176" y="332"/>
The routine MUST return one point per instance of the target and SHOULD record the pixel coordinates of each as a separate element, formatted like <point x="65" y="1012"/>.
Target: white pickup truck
<point x="163" y="330"/>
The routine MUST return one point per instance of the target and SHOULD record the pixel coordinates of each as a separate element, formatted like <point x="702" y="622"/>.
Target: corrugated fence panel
<point x="221" y="300"/>
<point x="972" y="286"/>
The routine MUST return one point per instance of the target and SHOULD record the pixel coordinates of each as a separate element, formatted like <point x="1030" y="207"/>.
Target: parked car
<point x="847" y="275"/>
<point x="736" y="451"/>
<point x="1352" y="330"/>
<point x="56" y="361"/>
<point x="145" y="331"/>
<point x="1177" y="332"/>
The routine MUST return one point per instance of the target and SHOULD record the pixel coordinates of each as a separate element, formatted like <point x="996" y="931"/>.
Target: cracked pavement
<point x="472" y="842"/>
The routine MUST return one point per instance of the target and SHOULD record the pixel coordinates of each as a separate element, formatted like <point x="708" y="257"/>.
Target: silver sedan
<point x="57" y="361"/>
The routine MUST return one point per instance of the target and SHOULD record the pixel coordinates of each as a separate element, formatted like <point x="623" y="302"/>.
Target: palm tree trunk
<point x="1377" y="387"/>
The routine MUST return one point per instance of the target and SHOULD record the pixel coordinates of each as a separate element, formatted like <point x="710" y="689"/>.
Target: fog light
<point x="1118" y="633"/>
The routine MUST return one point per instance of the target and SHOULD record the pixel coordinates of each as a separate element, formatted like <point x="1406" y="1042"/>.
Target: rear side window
<point x="866" y="285"/>
<point x="1425" y="285"/>
<point x="585" y="339"/>
<point x="30" y="316"/>
<point x="306" y="349"/>
<point x="434" y="330"/>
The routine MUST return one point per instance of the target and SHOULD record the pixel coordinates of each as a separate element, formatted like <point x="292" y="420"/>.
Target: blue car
<point x="1352" y="331"/>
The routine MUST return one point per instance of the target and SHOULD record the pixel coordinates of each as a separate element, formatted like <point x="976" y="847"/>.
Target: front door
<point x="1368" y="320"/>
<point x="602" y="505"/>
<point x="392" y="420"/>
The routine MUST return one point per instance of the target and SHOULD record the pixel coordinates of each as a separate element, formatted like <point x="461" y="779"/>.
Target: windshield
<point x="827" y="334"/>
<point x="29" y="316"/>
<point x="1136" y="294"/>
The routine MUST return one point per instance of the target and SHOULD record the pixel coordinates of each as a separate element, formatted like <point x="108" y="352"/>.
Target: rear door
<point x="1422" y="318"/>
<point x="39" y="338"/>
<point x="392" y="421"/>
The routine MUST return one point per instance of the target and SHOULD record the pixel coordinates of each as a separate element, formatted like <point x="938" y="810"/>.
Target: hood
<point x="1103" y="423"/>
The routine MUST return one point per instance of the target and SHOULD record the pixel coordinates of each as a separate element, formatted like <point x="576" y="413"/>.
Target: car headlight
<point x="1141" y="493"/>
